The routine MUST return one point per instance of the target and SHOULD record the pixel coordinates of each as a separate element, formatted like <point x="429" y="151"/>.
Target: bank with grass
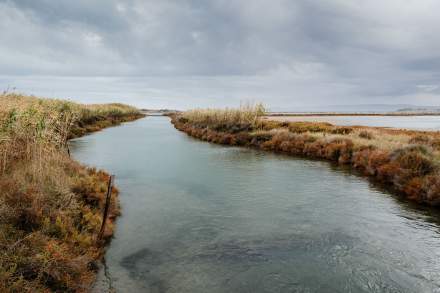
<point x="50" y="205"/>
<point x="406" y="161"/>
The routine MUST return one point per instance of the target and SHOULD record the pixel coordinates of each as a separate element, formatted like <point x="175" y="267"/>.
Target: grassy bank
<point x="51" y="206"/>
<point x="407" y="161"/>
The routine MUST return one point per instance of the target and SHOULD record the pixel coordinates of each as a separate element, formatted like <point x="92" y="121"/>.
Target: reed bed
<point x="245" y="117"/>
<point x="50" y="206"/>
<point x="407" y="161"/>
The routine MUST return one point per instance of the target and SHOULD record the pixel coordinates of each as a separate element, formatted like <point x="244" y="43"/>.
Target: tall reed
<point x="50" y="206"/>
<point x="247" y="115"/>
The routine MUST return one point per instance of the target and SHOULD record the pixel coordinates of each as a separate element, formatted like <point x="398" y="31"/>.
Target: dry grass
<point x="246" y="117"/>
<point x="406" y="160"/>
<point x="50" y="206"/>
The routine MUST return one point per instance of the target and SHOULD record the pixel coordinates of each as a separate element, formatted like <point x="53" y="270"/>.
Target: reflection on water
<point x="429" y="123"/>
<point x="197" y="217"/>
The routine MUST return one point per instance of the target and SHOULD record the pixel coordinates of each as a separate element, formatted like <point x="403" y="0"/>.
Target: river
<point x="198" y="217"/>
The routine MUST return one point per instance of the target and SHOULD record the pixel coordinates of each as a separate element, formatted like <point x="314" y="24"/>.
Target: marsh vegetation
<point x="50" y="205"/>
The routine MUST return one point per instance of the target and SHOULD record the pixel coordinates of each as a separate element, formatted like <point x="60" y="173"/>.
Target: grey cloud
<point x="99" y="14"/>
<point x="324" y="51"/>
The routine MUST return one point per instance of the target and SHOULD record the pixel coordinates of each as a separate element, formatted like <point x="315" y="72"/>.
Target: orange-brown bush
<point x="406" y="160"/>
<point x="420" y="139"/>
<point x="431" y="188"/>
<point x="50" y="206"/>
<point x="366" y="134"/>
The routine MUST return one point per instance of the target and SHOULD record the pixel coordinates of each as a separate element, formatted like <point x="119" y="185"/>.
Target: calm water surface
<point x="428" y="123"/>
<point x="198" y="217"/>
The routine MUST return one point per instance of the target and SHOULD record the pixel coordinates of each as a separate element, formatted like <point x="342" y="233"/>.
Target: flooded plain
<point x="428" y="123"/>
<point x="198" y="217"/>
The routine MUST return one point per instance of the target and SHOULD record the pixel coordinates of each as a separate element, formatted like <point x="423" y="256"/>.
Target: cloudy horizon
<point x="182" y="54"/>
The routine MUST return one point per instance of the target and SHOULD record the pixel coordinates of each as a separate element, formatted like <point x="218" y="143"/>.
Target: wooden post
<point x="107" y="206"/>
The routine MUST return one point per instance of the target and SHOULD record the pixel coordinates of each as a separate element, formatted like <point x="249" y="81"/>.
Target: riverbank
<point x="50" y="205"/>
<point x="405" y="160"/>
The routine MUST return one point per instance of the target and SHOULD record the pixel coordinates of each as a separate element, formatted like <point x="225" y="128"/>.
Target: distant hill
<point x="423" y="109"/>
<point x="362" y="108"/>
<point x="159" y="110"/>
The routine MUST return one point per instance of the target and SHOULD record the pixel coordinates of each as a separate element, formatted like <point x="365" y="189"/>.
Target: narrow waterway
<point x="198" y="217"/>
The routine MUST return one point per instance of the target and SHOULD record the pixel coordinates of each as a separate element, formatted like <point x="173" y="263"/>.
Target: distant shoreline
<point x="321" y="114"/>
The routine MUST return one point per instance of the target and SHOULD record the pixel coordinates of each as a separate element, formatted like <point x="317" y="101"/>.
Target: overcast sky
<point x="198" y="53"/>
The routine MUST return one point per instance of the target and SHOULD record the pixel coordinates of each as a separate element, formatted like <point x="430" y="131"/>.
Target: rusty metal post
<point x="107" y="206"/>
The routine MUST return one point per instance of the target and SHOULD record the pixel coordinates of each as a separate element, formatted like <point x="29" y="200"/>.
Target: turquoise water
<point x="198" y="217"/>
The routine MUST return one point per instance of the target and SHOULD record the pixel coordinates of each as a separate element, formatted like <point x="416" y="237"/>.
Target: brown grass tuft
<point x="366" y="134"/>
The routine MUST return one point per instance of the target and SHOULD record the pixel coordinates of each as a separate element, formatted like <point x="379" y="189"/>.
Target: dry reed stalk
<point x="50" y="206"/>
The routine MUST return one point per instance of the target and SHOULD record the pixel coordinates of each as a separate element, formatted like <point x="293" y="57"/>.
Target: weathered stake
<point x="107" y="206"/>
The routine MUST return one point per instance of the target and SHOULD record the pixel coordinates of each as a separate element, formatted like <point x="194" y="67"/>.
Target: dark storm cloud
<point x="282" y="52"/>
